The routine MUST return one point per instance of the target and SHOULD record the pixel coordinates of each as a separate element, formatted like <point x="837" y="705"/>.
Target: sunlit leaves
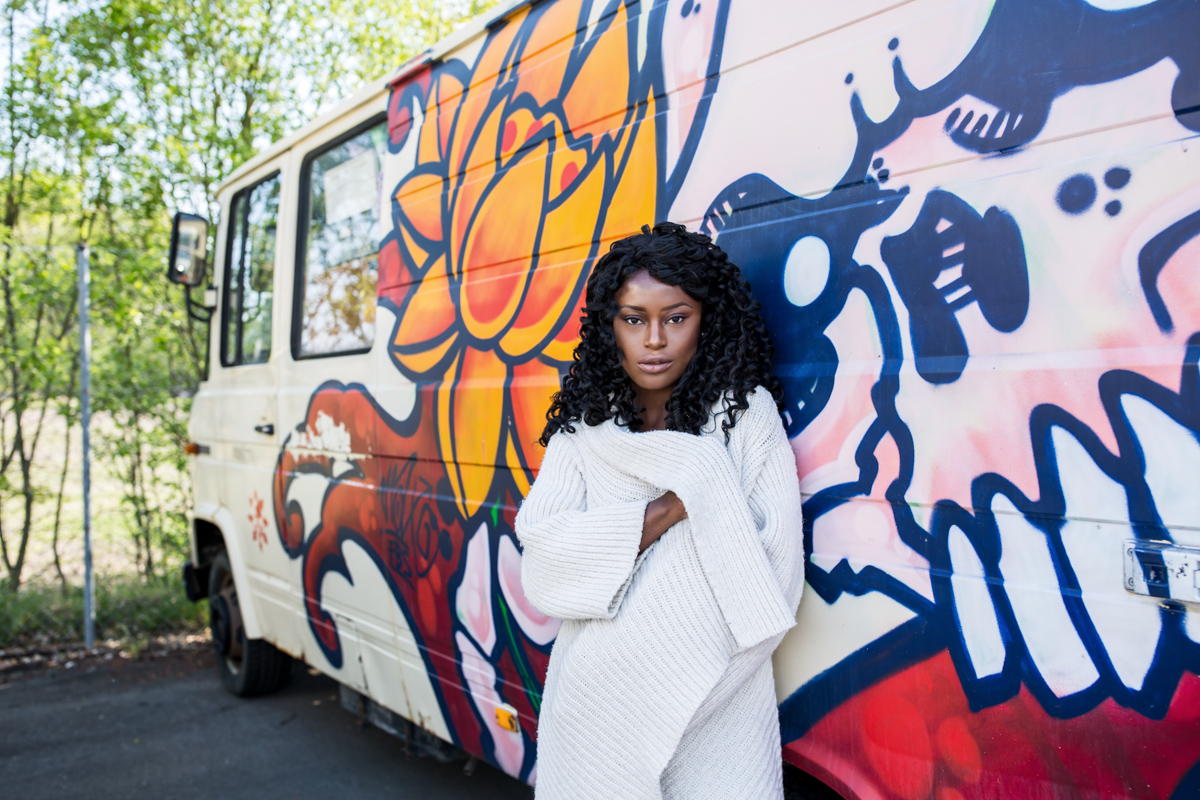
<point x="113" y="115"/>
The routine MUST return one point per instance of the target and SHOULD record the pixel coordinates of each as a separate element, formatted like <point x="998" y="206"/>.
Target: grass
<point x="127" y="610"/>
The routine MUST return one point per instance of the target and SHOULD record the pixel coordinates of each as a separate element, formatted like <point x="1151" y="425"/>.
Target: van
<point x="974" y="229"/>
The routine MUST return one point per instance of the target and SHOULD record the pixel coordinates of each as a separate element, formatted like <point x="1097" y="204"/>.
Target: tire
<point x="248" y="667"/>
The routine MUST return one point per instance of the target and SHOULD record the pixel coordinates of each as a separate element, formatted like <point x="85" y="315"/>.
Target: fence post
<point x="85" y="421"/>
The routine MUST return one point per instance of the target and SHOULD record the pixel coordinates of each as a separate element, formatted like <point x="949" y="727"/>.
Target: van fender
<point x="223" y="518"/>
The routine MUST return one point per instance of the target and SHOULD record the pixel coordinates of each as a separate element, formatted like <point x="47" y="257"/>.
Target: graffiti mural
<point x="520" y="164"/>
<point x="965" y="318"/>
<point x="973" y="228"/>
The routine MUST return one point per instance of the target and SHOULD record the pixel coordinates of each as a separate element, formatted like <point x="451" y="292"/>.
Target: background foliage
<point x="114" y="114"/>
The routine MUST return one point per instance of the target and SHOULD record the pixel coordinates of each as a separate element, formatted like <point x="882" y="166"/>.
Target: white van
<point x="974" y="228"/>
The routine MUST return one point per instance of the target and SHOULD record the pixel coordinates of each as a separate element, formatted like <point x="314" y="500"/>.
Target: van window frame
<point x="302" y="224"/>
<point x="229" y="361"/>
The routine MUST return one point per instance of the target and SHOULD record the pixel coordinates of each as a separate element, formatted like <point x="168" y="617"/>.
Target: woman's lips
<point x="654" y="367"/>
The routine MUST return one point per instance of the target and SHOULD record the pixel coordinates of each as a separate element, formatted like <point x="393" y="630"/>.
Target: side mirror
<point x="188" y="259"/>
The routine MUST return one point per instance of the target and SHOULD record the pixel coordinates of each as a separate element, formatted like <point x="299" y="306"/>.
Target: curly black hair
<point x="733" y="356"/>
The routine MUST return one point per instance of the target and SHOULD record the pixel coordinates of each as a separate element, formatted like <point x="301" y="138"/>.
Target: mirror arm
<point x="197" y="311"/>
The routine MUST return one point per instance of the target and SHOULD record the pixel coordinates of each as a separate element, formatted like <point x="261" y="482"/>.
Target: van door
<point x="332" y="332"/>
<point x="339" y="394"/>
<point x="240" y="399"/>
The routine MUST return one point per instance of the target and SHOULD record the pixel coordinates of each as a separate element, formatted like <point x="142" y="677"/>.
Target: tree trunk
<point x="62" y="485"/>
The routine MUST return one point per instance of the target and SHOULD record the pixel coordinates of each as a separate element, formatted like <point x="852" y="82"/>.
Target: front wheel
<point x="248" y="667"/>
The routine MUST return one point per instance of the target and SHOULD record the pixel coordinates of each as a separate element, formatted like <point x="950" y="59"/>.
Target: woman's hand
<point x="661" y="514"/>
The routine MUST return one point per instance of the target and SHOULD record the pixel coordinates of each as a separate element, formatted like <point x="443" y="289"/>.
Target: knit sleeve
<point x="743" y="503"/>
<point x="775" y="505"/>
<point x="577" y="560"/>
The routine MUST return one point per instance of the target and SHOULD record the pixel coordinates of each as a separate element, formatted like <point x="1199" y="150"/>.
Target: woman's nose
<point x="655" y="336"/>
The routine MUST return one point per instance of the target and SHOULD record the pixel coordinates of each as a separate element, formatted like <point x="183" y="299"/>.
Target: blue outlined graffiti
<point x="1034" y="51"/>
<point x="757" y="224"/>
<point x="989" y="257"/>
<point x="952" y="256"/>
<point x="1154" y="257"/>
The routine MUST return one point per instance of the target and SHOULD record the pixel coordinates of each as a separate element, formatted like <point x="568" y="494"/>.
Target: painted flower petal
<point x="470" y="424"/>
<point x="634" y="196"/>
<point x="533" y="385"/>
<point x="599" y="94"/>
<point x="477" y="101"/>
<point x="394" y="274"/>
<point x="450" y="92"/>
<point x="553" y="284"/>
<point x="425" y="326"/>
<point x="546" y="56"/>
<point x="520" y="126"/>
<point x="500" y="244"/>
<point x="477" y="178"/>
<point x="520" y="475"/>
<point x="540" y="629"/>
<point x="416" y="257"/>
<point x="567" y="237"/>
<point x="562" y="346"/>
<point x="473" y="600"/>
<point x="429" y="312"/>
<point x="419" y="202"/>
<point x="441" y="108"/>
<point x="419" y="363"/>
<point x="400" y="107"/>
<point x="509" y="747"/>
<point x="429" y="150"/>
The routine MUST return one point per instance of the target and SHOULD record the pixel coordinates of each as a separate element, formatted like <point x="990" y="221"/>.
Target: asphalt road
<point x="167" y="729"/>
<point x="163" y="727"/>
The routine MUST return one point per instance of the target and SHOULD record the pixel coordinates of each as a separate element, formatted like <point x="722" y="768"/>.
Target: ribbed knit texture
<point x="659" y="683"/>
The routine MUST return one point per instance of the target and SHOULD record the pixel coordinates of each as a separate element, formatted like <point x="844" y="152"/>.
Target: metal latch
<point x="1158" y="569"/>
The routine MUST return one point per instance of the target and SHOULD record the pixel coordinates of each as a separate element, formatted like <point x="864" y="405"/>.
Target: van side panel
<point x="972" y="228"/>
<point x="962" y="222"/>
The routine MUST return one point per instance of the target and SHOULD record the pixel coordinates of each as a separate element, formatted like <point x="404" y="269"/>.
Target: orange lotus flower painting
<point x="524" y="168"/>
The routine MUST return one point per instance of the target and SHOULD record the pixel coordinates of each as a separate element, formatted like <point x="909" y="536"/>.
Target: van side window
<point x="338" y="247"/>
<point x="250" y="275"/>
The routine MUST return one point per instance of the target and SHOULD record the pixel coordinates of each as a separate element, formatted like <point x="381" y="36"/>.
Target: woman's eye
<point x="633" y="320"/>
<point x="677" y="319"/>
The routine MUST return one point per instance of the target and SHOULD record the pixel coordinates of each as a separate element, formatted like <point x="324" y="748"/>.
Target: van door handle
<point x="266" y="430"/>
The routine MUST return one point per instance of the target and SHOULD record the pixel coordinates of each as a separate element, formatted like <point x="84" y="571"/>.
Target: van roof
<point x="466" y="33"/>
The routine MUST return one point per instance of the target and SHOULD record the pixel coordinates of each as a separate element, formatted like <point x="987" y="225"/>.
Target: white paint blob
<point x="806" y="271"/>
<point x="1031" y="582"/>
<point x="1117" y="5"/>
<point x="978" y="624"/>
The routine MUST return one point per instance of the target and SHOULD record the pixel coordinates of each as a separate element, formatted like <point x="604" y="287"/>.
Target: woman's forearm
<point x="661" y="514"/>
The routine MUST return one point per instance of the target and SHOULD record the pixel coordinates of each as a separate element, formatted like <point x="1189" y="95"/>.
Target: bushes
<point x="127" y="609"/>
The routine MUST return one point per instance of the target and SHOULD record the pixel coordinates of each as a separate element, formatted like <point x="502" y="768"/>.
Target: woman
<point x="664" y="529"/>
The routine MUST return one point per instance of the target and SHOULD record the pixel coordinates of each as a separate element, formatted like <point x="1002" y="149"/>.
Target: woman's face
<point x="657" y="328"/>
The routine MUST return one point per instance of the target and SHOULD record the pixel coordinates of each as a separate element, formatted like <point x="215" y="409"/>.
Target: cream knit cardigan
<point x="659" y="684"/>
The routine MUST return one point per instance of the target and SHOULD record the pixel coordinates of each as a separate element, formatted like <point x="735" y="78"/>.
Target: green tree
<point x="39" y="151"/>
<point x="115" y="114"/>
